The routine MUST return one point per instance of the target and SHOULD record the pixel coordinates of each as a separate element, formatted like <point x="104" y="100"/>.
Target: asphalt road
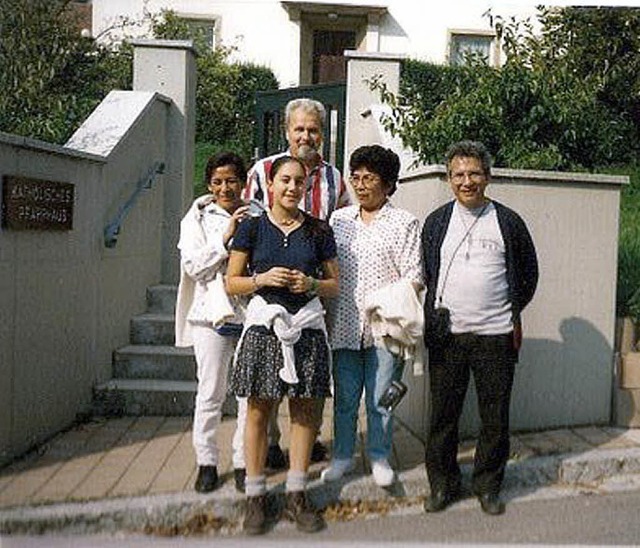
<point x="612" y="519"/>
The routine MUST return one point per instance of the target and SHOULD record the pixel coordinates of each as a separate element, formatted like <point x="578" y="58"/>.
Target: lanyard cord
<point x="453" y="255"/>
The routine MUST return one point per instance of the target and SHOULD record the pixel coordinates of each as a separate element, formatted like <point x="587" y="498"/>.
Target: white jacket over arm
<point x="203" y="262"/>
<point x="395" y="313"/>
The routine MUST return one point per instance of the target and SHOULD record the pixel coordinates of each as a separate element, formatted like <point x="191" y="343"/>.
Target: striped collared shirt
<point x="325" y="189"/>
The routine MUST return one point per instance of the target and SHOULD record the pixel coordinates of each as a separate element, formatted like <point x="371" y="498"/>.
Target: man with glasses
<point x="481" y="271"/>
<point x="324" y="193"/>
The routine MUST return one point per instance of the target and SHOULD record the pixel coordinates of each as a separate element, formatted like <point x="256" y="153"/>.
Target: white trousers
<point x="213" y="357"/>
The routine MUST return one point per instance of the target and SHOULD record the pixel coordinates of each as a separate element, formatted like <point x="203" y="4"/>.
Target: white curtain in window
<point x="469" y="43"/>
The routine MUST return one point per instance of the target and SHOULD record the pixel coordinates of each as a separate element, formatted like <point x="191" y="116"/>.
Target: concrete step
<point x="134" y="397"/>
<point x="152" y="361"/>
<point x="153" y="329"/>
<point x="161" y="299"/>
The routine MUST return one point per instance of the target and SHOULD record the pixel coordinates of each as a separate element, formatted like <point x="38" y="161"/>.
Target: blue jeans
<point x="371" y="369"/>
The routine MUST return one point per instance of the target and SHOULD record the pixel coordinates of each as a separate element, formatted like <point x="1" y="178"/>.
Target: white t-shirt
<point x="476" y="290"/>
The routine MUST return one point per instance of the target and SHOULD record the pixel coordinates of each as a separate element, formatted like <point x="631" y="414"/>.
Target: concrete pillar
<point x="363" y="104"/>
<point x="373" y="33"/>
<point x="363" y="128"/>
<point x="300" y="40"/>
<point x="168" y="67"/>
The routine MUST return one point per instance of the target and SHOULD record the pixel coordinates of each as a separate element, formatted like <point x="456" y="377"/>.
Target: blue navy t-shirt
<point x="304" y="249"/>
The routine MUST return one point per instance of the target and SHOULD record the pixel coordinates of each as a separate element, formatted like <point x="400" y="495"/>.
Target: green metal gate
<point x="269" y="135"/>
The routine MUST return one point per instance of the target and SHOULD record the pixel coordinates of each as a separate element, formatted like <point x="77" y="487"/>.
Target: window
<point x="203" y="27"/>
<point x="476" y="43"/>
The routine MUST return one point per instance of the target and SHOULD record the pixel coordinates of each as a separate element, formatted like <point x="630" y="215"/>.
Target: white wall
<point x="66" y="300"/>
<point x="565" y="375"/>
<point x="263" y="33"/>
<point x="259" y="29"/>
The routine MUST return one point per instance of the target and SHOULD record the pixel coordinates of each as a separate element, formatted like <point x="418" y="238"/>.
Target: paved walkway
<point x="122" y="459"/>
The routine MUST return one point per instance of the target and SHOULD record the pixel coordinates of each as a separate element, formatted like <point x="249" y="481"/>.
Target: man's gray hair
<point x="470" y="149"/>
<point x="307" y="105"/>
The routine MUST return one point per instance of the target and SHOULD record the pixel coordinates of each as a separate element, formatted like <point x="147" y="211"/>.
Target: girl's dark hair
<point x="225" y="159"/>
<point x="312" y="227"/>
<point x="379" y="160"/>
<point x="282" y="160"/>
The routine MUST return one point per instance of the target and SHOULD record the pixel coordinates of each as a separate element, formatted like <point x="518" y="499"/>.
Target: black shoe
<point x="491" y="504"/>
<point x="299" y="510"/>
<point x="439" y="500"/>
<point x="255" y="521"/>
<point x="239" y="475"/>
<point x="318" y="452"/>
<point x="207" y="479"/>
<point x="275" y="458"/>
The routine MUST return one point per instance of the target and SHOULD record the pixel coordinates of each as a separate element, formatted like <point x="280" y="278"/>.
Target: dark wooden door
<point x="329" y="64"/>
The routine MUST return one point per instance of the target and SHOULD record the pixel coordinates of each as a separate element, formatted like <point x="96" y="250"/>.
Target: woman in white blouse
<point x="378" y="245"/>
<point x="206" y="317"/>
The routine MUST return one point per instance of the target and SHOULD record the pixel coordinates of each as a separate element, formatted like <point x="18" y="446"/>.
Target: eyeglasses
<point x="367" y="180"/>
<point x="229" y="181"/>
<point x="474" y="176"/>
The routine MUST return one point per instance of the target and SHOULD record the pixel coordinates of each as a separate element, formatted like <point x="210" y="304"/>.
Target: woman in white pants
<point x="206" y="317"/>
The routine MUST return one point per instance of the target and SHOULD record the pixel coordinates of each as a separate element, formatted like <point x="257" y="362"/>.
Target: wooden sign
<point x="35" y="204"/>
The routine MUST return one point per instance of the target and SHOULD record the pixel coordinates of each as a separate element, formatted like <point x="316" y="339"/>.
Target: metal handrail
<point x="112" y="229"/>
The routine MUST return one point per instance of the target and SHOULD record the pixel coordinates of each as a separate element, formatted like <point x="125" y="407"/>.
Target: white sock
<point x="255" y="486"/>
<point x="296" y="481"/>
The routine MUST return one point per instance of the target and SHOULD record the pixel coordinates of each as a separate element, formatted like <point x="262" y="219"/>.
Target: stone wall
<point x="566" y="371"/>
<point x="66" y="298"/>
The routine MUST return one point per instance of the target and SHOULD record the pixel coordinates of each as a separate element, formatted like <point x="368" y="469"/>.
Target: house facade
<point x="303" y="42"/>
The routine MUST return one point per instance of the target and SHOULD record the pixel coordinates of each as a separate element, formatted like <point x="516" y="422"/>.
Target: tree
<point x="591" y="55"/>
<point x="557" y="103"/>
<point x="597" y="44"/>
<point x="51" y="77"/>
<point x="225" y="92"/>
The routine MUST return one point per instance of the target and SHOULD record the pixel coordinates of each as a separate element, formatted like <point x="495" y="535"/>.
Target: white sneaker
<point x="383" y="474"/>
<point x="337" y="469"/>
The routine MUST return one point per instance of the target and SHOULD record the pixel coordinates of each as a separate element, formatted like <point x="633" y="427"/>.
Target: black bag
<point x="393" y="395"/>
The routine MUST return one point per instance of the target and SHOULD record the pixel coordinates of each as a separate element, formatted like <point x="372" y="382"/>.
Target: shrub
<point x="628" y="298"/>
<point x="525" y="119"/>
<point x="51" y="77"/>
<point x="225" y="92"/>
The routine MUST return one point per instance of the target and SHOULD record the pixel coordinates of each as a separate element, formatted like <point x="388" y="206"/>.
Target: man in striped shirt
<point x="325" y="189"/>
<point x="325" y="192"/>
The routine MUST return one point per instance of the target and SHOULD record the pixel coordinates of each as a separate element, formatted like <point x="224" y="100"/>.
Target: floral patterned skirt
<point x="255" y="372"/>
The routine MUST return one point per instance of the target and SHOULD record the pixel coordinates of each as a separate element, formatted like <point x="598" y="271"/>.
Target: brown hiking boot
<point x="299" y="510"/>
<point x="254" y="515"/>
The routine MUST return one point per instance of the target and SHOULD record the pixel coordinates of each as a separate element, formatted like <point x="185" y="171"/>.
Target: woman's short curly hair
<point x="225" y="159"/>
<point x="379" y="160"/>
